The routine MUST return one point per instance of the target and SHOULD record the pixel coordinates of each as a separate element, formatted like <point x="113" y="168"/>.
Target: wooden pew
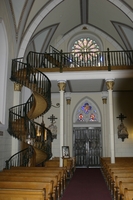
<point x="128" y="194"/>
<point x="74" y="163"/>
<point x="48" y="186"/>
<point x="60" y="170"/>
<point x="67" y="163"/>
<point x="47" y="175"/>
<point x="52" y="163"/>
<point x="117" y="181"/>
<point x="22" y="194"/>
<point x="106" y="164"/>
<point x="109" y="170"/>
<point x="110" y="178"/>
<point x="36" y="179"/>
<point x="122" y="186"/>
<point x="116" y="168"/>
<point x="72" y="159"/>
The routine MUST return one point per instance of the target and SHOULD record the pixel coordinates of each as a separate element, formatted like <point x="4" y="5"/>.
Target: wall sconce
<point x="57" y="105"/>
<point x="122" y="130"/>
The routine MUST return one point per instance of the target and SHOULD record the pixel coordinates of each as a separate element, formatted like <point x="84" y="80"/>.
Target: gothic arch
<point x="94" y="109"/>
<point x="87" y="135"/>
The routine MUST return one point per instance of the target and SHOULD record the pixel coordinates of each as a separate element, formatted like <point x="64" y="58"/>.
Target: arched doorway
<point x="87" y="134"/>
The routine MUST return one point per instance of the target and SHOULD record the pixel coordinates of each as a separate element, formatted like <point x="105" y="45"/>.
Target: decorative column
<point x="17" y="92"/>
<point x="68" y="101"/>
<point x="110" y="84"/>
<point x="61" y="85"/>
<point x="104" y="99"/>
<point x="16" y="101"/>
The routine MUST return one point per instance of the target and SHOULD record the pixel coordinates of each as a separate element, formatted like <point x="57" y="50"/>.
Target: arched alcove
<point x="87" y="107"/>
<point x="87" y="133"/>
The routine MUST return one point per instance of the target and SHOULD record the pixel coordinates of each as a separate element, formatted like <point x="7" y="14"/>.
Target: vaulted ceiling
<point x="36" y="24"/>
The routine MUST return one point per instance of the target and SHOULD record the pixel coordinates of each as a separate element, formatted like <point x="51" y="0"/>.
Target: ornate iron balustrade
<point x="32" y="78"/>
<point x="63" y="61"/>
<point x="21" y="158"/>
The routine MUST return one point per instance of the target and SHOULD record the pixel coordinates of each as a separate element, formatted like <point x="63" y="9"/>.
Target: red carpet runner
<point x="87" y="184"/>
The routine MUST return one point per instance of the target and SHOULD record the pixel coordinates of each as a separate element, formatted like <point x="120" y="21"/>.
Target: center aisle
<point x="87" y="184"/>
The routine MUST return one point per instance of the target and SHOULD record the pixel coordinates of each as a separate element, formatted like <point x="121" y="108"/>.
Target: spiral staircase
<point x="22" y="124"/>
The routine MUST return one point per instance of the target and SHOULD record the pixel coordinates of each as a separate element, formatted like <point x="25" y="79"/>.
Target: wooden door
<point x="87" y="146"/>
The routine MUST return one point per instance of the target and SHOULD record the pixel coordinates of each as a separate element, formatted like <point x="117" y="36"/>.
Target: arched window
<point x="85" y="45"/>
<point x="86" y="112"/>
<point x="86" y="50"/>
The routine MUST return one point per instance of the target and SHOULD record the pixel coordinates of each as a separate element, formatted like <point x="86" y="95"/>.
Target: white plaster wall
<point x="123" y="104"/>
<point x="55" y="98"/>
<point x="75" y="99"/>
<point x="6" y="139"/>
<point x="121" y="101"/>
<point x="62" y="43"/>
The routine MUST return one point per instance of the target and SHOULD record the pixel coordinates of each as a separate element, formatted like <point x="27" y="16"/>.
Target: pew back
<point x="48" y="186"/>
<point x="22" y="194"/>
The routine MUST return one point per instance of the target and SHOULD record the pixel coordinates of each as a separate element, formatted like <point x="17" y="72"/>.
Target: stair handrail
<point x="53" y="49"/>
<point x="44" y="144"/>
<point x="21" y="158"/>
<point x="43" y="85"/>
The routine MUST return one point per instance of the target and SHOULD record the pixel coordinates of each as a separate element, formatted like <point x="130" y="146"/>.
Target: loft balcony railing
<point x="100" y="60"/>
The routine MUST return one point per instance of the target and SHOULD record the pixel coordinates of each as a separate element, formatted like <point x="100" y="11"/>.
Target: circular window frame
<point x="85" y="35"/>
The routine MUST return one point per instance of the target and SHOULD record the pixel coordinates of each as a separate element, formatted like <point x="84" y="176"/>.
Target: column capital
<point x="104" y="99"/>
<point x="68" y="100"/>
<point x="61" y="85"/>
<point x="17" y="87"/>
<point x="110" y="83"/>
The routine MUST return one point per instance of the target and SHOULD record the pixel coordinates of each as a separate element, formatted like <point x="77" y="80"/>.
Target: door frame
<point x="101" y="141"/>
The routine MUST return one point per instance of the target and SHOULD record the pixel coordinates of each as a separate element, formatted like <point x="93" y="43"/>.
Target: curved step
<point x="40" y="156"/>
<point x="38" y="107"/>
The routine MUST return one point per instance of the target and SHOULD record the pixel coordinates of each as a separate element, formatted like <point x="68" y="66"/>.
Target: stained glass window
<point x="86" y="107"/>
<point x="86" y="113"/>
<point x="85" y="49"/>
<point x="81" y="117"/>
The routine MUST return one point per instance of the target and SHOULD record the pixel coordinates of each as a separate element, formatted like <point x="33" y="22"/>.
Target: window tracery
<point x="86" y="112"/>
<point x="87" y="45"/>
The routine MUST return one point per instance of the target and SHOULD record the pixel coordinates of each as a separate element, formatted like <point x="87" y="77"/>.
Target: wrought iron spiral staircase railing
<point x="22" y="117"/>
<point x="21" y="158"/>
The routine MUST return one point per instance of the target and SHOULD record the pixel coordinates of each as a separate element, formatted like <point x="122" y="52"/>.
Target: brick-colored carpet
<point x="87" y="184"/>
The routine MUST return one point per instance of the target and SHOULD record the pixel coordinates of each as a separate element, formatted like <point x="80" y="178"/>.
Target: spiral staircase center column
<point x="61" y="85"/>
<point x="16" y="100"/>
